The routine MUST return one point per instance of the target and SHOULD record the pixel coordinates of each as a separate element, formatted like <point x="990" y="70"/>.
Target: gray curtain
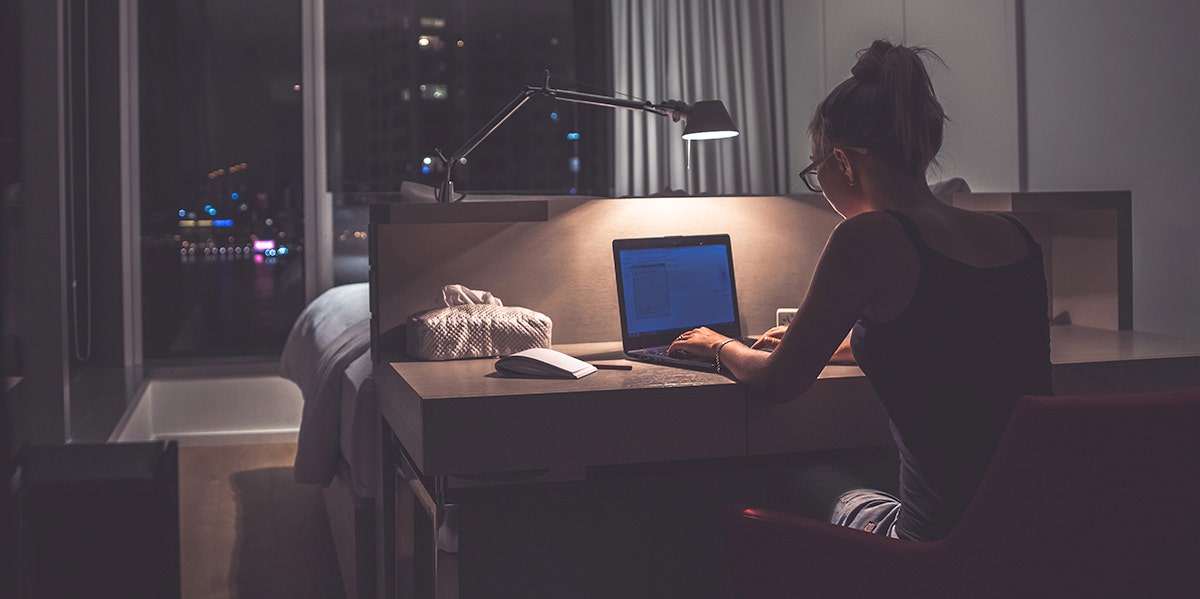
<point x="691" y="50"/>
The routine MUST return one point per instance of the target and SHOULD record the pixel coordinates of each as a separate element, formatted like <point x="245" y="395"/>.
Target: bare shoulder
<point x="872" y="244"/>
<point x="988" y="238"/>
<point x="869" y="231"/>
<point x="977" y="238"/>
<point x="874" y="254"/>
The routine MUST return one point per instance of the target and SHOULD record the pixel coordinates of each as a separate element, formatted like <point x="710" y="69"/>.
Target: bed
<point x="327" y="355"/>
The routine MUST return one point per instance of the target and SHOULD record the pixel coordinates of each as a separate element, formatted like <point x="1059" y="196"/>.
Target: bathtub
<point x="213" y="410"/>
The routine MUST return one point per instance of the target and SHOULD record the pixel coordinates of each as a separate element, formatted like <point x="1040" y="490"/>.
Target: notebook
<point x="668" y="285"/>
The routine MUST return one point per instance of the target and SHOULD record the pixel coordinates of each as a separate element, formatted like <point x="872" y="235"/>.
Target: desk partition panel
<point x="554" y="254"/>
<point x="563" y="266"/>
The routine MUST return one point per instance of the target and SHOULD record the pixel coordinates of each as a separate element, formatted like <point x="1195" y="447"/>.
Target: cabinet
<point x="99" y="520"/>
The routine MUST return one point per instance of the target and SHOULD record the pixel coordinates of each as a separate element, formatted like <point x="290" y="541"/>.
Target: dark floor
<point x="247" y="530"/>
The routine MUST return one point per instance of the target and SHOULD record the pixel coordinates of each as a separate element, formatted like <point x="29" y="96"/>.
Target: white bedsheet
<point x="360" y="427"/>
<point x="331" y="333"/>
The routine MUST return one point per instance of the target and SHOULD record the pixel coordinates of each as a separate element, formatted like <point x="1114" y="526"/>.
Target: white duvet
<point x="332" y="334"/>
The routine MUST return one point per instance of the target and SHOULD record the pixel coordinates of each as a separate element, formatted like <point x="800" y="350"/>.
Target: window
<point x="221" y="176"/>
<point x="221" y="137"/>
<point x="431" y="86"/>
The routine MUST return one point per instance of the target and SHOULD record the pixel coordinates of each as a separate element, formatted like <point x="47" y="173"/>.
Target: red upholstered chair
<point x="1087" y="496"/>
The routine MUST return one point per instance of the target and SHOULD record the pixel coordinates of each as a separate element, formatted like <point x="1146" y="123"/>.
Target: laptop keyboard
<point x="683" y="355"/>
<point x="676" y="355"/>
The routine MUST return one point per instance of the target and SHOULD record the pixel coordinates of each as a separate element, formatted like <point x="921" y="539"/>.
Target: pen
<point x="613" y="366"/>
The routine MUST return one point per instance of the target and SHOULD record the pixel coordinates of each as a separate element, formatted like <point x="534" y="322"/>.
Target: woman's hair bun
<point x="869" y="67"/>
<point x="887" y="105"/>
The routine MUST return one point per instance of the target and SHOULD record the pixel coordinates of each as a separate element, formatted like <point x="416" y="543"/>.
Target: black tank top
<point x="949" y="370"/>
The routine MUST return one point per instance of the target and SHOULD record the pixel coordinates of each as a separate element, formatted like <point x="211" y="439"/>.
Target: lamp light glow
<point x="708" y="119"/>
<point x="710" y="135"/>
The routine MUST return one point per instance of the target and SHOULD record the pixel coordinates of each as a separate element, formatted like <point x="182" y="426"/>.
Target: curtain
<point x="691" y="50"/>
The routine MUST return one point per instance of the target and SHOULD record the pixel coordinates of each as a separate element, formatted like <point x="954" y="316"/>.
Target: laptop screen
<point x="673" y="284"/>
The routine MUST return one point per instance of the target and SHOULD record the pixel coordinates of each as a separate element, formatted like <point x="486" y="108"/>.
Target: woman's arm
<point x="866" y="256"/>
<point x="768" y="341"/>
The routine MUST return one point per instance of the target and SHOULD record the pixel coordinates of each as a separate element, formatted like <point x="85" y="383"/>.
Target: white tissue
<point x="458" y="295"/>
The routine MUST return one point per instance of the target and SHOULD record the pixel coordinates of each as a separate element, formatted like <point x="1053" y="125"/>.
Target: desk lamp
<point x="706" y="119"/>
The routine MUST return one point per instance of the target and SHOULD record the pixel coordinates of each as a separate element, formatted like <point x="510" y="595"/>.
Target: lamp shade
<point x="708" y="119"/>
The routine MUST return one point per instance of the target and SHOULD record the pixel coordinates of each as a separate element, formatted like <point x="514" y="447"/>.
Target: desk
<point x="444" y="412"/>
<point x="460" y="418"/>
<point x="444" y="419"/>
<point x="553" y="255"/>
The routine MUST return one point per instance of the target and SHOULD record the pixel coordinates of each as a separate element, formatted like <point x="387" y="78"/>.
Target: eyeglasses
<point x="809" y="174"/>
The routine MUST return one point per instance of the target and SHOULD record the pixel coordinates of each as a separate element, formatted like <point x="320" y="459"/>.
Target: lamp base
<point x="446" y="192"/>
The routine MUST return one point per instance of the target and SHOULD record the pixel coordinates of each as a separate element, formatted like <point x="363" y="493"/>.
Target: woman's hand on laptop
<point x="700" y="342"/>
<point x="770" y="339"/>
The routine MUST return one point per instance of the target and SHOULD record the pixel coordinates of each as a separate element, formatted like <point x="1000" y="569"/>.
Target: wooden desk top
<point x="461" y="417"/>
<point x="478" y="378"/>
<point x="443" y="412"/>
<point x="1073" y="344"/>
<point x="1098" y="361"/>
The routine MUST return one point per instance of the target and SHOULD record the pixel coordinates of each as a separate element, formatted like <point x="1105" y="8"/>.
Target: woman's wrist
<point x="720" y="346"/>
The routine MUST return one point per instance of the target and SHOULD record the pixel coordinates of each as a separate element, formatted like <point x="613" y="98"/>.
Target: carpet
<point x="247" y="530"/>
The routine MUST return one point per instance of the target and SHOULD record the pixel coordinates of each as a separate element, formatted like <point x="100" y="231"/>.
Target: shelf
<point x="466" y="211"/>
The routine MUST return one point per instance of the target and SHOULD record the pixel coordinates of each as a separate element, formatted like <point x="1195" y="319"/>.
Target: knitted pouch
<point x="475" y="331"/>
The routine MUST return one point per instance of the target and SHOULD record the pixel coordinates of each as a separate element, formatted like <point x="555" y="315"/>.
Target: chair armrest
<point x="776" y="554"/>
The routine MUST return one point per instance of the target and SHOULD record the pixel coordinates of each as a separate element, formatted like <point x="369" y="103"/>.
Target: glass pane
<point x="404" y="79"/>
<point x="222" y="164"/>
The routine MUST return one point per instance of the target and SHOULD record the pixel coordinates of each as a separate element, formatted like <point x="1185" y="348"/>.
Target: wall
<point x="1109" y="90"/>
<point x="1111" y="97"/>
<point x="977" y="39"/>
<point x="41" y="307"/>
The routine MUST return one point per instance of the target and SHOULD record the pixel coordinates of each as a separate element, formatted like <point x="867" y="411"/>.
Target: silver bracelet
<point x="721" y="347"/>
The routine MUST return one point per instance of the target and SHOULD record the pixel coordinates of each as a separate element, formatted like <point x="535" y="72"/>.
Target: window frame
<point x="317" y="203"/>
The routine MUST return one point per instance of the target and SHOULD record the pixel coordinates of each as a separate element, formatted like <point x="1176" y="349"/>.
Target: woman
<point x="948" y="307"/>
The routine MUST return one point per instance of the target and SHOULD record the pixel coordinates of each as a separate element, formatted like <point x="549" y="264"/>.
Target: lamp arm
<point x="460" y="155"/>
<point x="668" y="108"/>
<point x="673" y="108"/>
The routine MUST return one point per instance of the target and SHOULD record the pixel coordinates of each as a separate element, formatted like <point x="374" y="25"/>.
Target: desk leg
<point x="424" y="546"/>
<point x="412" y="508"/>
<point x="385" y="516"/>
<point x="431" y="573"/>
<point x="406" y="537"/>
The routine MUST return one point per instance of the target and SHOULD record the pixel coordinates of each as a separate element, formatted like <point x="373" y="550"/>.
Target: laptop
<point x="668" y="285"/>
